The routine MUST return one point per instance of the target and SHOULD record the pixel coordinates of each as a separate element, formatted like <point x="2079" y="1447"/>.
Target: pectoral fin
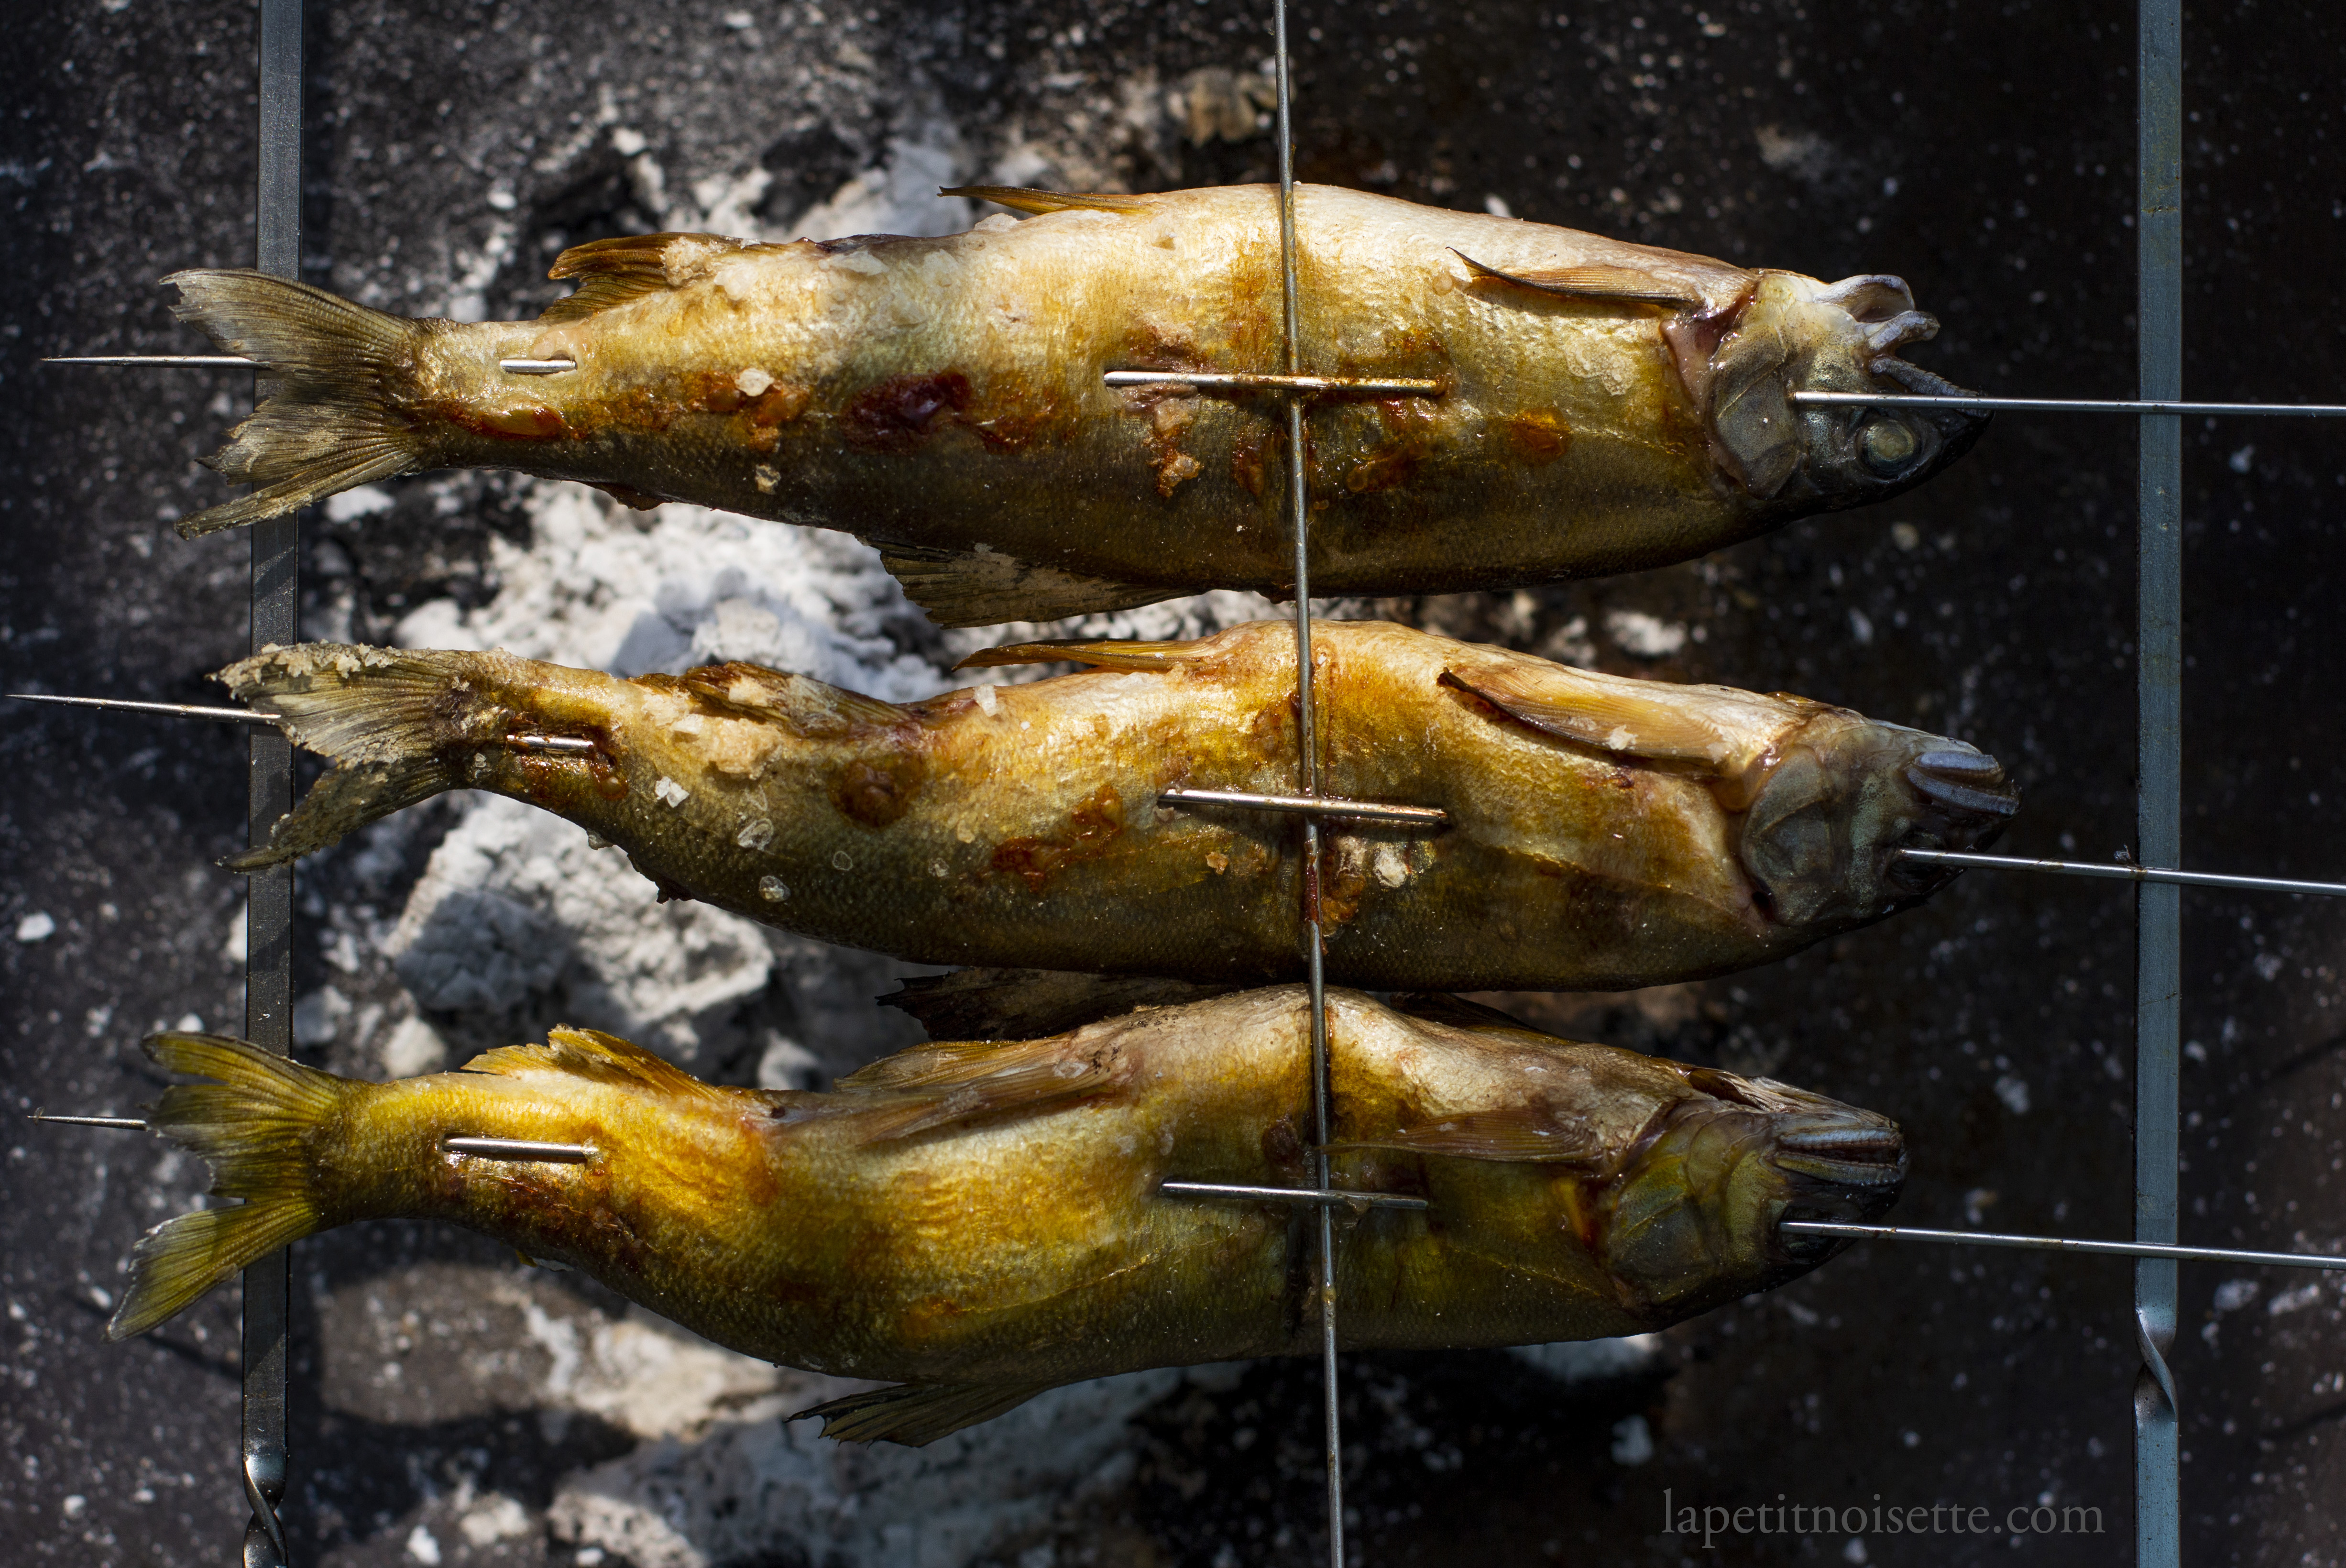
<point x="1516" y="1134"/>
<point x="1028" y="1004"/>
<point x="917" y="1414"/>
<point x="1625" y="723"/>
<point x="1626" y="285"/>
<point x="983" y="587"/>
<point x="806" y="705"/>
<point x="1041" y="201"/>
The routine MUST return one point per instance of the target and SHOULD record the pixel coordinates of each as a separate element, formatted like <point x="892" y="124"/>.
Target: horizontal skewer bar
<point x="1248" y="380"/>
<point x="2065" y="404"/>
<point x="520" y="1149"/>
<point x="1310" y="806"/>
<point x="167" y="362"/>
<point x="2062" y="1244"/>
<point x="577" y="745"/>
<point x="118" y="1124"/>
<point x="2125" y="873"/>
<point x="1329" y="1196"/>
<point x="514" y="367"/>
<point x="177" y="709"/>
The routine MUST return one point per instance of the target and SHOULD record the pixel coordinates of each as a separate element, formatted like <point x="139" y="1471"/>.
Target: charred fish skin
<point x="1604" y="407"/>
<point x="990" y="1217"/>
<point x="1604" y="833"/>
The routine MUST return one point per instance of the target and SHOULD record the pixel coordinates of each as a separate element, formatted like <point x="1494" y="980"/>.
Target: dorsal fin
<point x="1041" y="201"/>
<point x="1555" y="701"/>
<point x="917" y="1414"/>
<point x="1028" y="1004"/>
<point x="627" y="267"/>
<point x="805" y="703"/>
<point x="1625" y="284"/>
<point x="591" y="1053"/>
<point x="1148" y="657"/>
<point x="1530" y="1135"/>
<point x="985" y="587"/>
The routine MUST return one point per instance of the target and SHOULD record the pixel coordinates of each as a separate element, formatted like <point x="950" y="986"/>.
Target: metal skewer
<point x="1310" y="806"/>
<point x="514" y="367"/>
<point x="2122" y="872"/>
<point x="524" y="1149"/>
<point x="1228" y="380"/>
<point x="2146" y="406"/>
<point x="1329" y="1196"/>
<point x="2063" y="1244"/>
<point x="570" y="745"/>
<point x="117" y="1124"/>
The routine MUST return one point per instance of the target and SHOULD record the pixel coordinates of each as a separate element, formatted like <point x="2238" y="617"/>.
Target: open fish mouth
<point x="1842" y="1165"/>
<point x="1970" y="788"/>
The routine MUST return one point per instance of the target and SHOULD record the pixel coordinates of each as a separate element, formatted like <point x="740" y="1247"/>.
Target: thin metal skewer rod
<point x="118" y="1124"/>
<point x="1249" y="381"/>
<point x="2063" y="1244"/>
<point x="572" y="745"/>
<point x="527" y="1149"/>
<point x="159" y="361"/>
<point x="2118" y="872"/>
<point x="176" y="710"/>
<point x="1334" y="1197"/>
<point x="1313" y="806"/>
<point x="1307" y="783"/>
<point x="2146" y="406"/>
<point x="514" y="367"/>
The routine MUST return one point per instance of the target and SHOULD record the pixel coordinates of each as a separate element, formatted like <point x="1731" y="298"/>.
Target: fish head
<point x="1793" y="334"/>
<point x="1697" y="1216"/>
<point x="1838" y="802"/>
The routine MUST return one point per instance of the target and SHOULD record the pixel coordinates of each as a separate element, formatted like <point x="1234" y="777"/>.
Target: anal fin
<point x="983" y="587"/>
<point x="917" y="1414"/>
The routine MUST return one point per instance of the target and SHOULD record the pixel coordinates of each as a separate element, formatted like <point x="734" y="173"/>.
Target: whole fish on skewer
<point x="981" y="1222"/>
<point x="1602" y="832"/>
<point x="1597" y="406"/>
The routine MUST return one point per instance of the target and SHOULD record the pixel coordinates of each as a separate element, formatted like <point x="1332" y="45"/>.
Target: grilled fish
<point x="982" y="1222"/>
<point x="1600" y="407"/>
<point x="1603" y="832"/>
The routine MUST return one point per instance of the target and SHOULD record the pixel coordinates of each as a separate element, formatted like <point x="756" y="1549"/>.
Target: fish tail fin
<point x="333" y="423"/>
<point x="396" y="723"/>
<point x="252" y="1120"/>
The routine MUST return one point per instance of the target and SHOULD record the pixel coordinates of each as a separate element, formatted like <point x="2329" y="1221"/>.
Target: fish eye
<point x="1888" y="446"/>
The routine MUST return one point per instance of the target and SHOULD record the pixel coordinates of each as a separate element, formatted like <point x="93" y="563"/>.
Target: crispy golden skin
<point x="986" y="1220"/>
<point x="1604" y="832"/>
<point x="1604" y="406"/>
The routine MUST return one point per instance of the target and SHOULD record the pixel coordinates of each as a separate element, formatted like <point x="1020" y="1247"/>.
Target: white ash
<point x="771" y="1488"/>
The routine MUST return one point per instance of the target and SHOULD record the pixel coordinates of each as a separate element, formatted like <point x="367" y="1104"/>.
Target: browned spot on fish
<point x="1539" y="437"/>
<point x="779" y="404"/>
<point x="1344" y="880"/>
<point x="1094" y="824"/>
<point x="532" y="422"/>
<point x="1250" y="456"/>
<point x="901" y="413"/>
<point x="1281" y="1147"/>
<point x="625" y="494"/>
<point x="710" y="391"/>
<point x="876" y="791"/>
<point x="1409" y="429"/>
<point x="1013" y="414"/>
<point x="1162" y="437"/>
